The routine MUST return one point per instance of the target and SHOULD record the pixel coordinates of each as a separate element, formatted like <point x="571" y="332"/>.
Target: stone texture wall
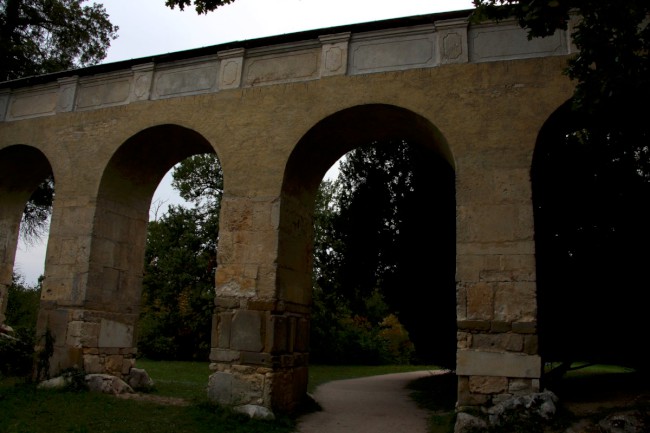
<point x="483" y="117"/>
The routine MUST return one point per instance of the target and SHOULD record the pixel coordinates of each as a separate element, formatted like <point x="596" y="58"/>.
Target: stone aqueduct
<point x="278" y="112"/>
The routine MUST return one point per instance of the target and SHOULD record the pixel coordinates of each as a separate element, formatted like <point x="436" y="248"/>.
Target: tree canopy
<point x="201" y="6"/>
<point x="40" y="37"/>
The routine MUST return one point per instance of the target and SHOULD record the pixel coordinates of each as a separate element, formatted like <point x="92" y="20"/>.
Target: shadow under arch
<point x="322" y="146"/>
<point x="123" y="201"/>
<point x="22" y="169"/>
<point x="591" y="235"/>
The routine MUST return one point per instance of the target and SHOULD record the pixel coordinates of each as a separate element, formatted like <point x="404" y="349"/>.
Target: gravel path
<point x="377" y="404"/>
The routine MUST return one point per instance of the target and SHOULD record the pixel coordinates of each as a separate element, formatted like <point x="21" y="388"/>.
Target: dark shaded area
<point x="591" y="197"/>
<point x="391" y="246"/>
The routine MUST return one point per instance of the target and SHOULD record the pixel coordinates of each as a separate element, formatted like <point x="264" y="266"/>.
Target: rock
<point x="255" y="411"/>
<point x="138" y="379"/>
<point x="541" y="405"/>
<point x="7" y="332"/>
<point x="623" y="422"/>
<point x="58" y="382"/>
<point x="466" y="422"/>
<point x="107" y="384"/>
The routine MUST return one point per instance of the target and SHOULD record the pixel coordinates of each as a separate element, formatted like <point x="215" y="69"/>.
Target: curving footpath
<point x="377" y="404"/>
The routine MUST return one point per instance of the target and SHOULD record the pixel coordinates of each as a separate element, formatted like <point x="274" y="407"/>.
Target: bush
<point x="17" y="354"/>
<point x="17" y="350"/>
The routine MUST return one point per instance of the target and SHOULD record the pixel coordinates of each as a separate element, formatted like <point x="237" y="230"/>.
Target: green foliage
<point x="345" y="338"/>
<point x="17" y="354"/>
<point x="22" y="308"/>
<point x="178" y="286"/>
<point x="40" y="37"/>
<point x="201" y="6"/>
<point x="17" y="351"/>
<point x="199" y="180"/>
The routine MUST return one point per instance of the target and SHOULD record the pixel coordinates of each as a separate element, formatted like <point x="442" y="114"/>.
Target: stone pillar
<point x="497" y="343"/>
<point x="91" y="292"/>
<point x="259" y="341"/>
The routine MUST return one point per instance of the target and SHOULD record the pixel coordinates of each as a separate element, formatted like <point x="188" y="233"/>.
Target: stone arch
<point x="101" y="336"/>
<point x="22" y="169"/>
<point x="319" y="148"/>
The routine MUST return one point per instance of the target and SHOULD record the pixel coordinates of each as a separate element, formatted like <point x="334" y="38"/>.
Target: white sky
<point x="148" y="28"/>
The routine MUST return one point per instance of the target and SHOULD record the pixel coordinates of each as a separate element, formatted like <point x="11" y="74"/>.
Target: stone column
<point x="259" y="340"/>
<point x="497" y="354"/>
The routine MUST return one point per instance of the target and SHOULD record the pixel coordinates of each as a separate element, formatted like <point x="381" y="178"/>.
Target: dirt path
<point x="378" y="404"/>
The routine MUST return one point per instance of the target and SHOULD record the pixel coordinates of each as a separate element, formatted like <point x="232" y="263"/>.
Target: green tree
<point x="201" y="6"/>
<point x="17" y="353"/>
<point x="39" y="37"/>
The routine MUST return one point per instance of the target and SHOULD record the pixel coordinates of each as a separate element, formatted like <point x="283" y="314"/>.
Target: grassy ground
<point x="25" y="409"/>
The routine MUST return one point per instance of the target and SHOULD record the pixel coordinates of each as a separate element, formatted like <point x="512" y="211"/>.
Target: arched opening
<point x="421" y="288"/>
<point x="26" y="193"/>
<point x="591" y="235"/>
<point x="23" y="169"/>
<point x="116" y="265"/>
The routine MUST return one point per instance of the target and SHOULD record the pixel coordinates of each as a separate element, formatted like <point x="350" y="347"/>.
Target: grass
<point x="25" y="409"/>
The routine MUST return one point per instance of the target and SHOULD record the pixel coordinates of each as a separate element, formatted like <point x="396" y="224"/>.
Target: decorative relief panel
<point x="231" y="66"/>
<point x="334" y="56"/>
<point x="452" y="41"/>
<point x="67" y="93"/>
<point x="186" y="80"/>
<point x="509" y="41"/>
<point x="33" y="102"/>
<point x="96" y="93"/>
<point x="142" y="81"/>
<point x="282" y="68"/>
<point x="390" y="51"/>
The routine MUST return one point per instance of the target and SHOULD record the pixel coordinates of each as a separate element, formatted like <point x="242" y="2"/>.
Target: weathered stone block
<point x="488" y="384"/>
<point x="224" y="329"/>
<point x="246" y="331"/>
<point x="115" y="334"/>
<point x="480" y="301"/>
<point x="479" y="363"/>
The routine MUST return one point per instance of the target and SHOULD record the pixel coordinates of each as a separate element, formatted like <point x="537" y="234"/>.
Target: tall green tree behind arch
<point x="393" y="233"/>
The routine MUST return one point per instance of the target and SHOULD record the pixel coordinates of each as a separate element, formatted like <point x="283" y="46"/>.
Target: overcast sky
<point x="148" y="28"/>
